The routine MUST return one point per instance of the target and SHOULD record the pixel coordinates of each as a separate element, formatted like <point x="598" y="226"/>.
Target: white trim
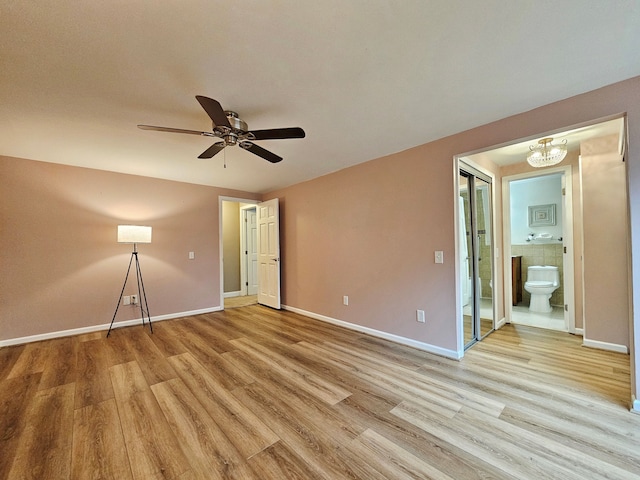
<point x="635" y="405"/>
<point x="103" y="327"/>
<point x="426" y="347"/>
<point x="579" y="331"/>
<point x="237" y="293"/>
<point x="501" y="323"/>
<point x="612" y="347"/>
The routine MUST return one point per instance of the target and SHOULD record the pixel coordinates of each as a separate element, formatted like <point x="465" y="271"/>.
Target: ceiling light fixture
<point x="546" y="154"/>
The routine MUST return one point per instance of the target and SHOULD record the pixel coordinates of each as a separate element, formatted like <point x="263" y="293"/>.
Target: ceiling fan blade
<point x="174" y="130"/>
<point x="261" y="152"/>
<point x="214" y="110"/>
<point x="212" y="150"/>
<point x="277" y="133"/>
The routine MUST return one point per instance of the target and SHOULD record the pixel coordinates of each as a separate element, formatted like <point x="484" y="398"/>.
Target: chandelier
<point x="546" y="154"/>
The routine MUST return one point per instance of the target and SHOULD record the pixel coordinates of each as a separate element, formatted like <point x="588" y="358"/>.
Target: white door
<point x="251" y="245"/>
<point x="269" y="253"/>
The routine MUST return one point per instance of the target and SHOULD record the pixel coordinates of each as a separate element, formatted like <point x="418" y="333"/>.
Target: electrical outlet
<point x="420" y="316"/>
<point x="345" y="300"/>
<point x="126" y="300"/>
<point x="134" y="299"/>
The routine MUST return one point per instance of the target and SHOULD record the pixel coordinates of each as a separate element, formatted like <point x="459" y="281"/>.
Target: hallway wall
<point x="606" y="233"/>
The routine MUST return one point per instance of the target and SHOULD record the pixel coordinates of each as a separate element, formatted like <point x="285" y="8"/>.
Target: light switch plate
<point x="439" y="256"/>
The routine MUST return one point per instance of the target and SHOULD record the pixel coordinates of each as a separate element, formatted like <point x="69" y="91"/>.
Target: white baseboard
<point x="579" y="331"/>
<point x="105" y="326"/>
<point x="635" y="405"/>
<point x="232" y="294"/>
<point x="613" y="347"/>
<point x="501" y="323"/>
<point x="426" y="347"/>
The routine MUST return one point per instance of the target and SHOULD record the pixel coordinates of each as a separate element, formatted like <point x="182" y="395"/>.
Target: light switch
<point x="439" y="256"/>
<point x="192" y="255"/>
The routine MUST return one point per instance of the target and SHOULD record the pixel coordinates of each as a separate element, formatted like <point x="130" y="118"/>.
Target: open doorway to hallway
<point x="239" y="253"/>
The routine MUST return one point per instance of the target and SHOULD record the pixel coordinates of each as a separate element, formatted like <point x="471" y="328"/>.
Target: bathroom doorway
<point x="538" y="214"/>
<point x="475" y="234"/>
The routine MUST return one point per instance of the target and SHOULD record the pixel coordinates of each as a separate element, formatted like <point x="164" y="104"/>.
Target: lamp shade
<point x="134" y="234"/>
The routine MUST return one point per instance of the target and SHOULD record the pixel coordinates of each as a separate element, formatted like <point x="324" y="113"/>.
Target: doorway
<point x="240" y="275"/>
<point x="535" y="245"/>
<point x="237" y="247"/>
<point x="475" y="234"/>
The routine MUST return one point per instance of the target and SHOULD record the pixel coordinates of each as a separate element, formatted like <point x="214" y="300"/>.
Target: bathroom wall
<point x="528" y="192"/>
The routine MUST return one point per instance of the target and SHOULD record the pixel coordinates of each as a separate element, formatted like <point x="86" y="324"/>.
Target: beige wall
<point x="606" y="233"/>
<point x="61" y="267"/>
<point x="362" y="232"/>
<point x="231" y="246"/>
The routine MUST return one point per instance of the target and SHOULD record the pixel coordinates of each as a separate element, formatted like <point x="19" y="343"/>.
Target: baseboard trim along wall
<point x="97" y="328"/>
<point x="635" y="405"/>
<point x="426" y="347"/>
<point x="613" y="347"/>
<point x="232" y="294"/>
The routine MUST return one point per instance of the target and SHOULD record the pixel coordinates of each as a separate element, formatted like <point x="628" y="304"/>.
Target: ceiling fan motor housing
<point x="239" y="128"/>
<point x="236" y="122"/>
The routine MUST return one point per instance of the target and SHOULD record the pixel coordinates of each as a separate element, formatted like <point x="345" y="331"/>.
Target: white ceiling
<point x="364" y="78"/>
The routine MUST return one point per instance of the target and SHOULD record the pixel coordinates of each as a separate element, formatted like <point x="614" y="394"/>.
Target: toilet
<point x="541" y="282"/>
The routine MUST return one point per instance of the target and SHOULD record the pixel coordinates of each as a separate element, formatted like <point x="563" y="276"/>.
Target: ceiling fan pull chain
<point x="224" y="156"/>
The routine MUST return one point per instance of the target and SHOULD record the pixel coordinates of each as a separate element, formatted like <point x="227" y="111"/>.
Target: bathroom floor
<point x="521" y="315"/>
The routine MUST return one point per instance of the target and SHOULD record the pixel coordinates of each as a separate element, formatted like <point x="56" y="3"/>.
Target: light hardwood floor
<point x="244" y="301"/>
<point x="253" y="393"/>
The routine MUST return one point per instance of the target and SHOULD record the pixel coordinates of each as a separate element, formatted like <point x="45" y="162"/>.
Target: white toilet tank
<point x="546" y="273"/>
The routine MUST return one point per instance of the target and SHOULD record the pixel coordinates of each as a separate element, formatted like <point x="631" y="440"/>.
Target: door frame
<point x="223" y="198"/>
<point x="244" y="266"/>
<point x="568" y="267"/>
<point x="459" y="163"/>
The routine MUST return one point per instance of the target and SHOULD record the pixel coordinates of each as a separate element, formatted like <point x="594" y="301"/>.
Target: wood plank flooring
<point x="253" y="393"/>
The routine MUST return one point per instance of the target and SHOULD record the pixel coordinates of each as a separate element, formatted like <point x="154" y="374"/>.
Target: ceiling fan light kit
<point x="228" y="126"/>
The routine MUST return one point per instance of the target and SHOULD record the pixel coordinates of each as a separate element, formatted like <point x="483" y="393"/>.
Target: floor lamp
<point x="134" y="234"/>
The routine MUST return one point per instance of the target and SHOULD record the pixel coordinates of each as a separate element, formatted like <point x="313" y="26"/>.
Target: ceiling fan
<point x="233" y="131"/>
